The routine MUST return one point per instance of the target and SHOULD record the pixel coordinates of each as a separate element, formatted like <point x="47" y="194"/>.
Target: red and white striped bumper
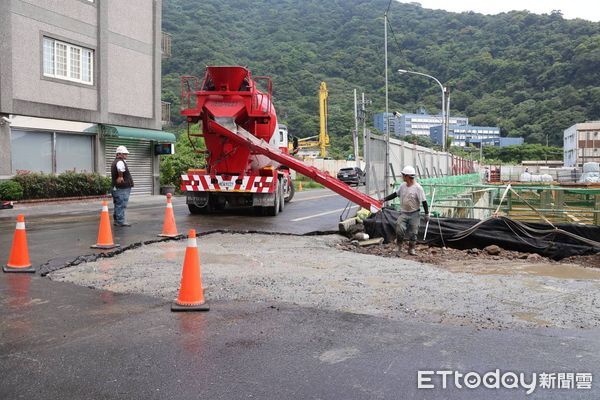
<point x="225" y="183"/>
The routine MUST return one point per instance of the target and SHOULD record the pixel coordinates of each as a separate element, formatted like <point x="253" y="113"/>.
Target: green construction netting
<point x="445" y="187"/>
<point x="460" y="188"/>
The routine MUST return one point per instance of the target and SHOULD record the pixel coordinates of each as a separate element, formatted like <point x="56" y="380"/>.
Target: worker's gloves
<point x="426" y="217"/>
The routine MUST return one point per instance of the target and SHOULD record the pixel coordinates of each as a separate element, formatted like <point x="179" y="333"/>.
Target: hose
<point x="525" y="230"/>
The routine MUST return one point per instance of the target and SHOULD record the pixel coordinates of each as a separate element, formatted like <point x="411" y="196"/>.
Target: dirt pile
<point x="447" y="256"/>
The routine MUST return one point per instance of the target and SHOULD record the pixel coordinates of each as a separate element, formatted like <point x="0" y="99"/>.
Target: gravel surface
<point x="319" y="271"/>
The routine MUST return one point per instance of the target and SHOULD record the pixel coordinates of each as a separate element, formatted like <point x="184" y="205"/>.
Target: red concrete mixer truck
<point x="247" y="160"/>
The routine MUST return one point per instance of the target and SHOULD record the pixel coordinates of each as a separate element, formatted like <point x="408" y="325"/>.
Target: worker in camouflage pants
<point x="411" y="196"/>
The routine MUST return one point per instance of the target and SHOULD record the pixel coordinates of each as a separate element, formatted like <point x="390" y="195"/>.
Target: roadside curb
<point x="58" y="200"/>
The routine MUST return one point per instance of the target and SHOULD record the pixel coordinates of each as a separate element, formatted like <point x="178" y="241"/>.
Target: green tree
<point x="186" y="156"/>
<point x="531" y="75"/>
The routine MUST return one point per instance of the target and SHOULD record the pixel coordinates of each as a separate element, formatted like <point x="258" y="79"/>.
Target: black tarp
<point x="503" y="232"/>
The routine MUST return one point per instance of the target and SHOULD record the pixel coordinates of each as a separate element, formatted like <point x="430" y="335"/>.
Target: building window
<point x="68" y="62"/>
<point x="22" y="145"/>
<point x="74" y="153"/>
<point x="55" y="152"/>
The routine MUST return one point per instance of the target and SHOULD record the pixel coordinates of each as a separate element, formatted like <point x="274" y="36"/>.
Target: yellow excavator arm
<point x="323" y="142"/>
<point x="323" y="113"/>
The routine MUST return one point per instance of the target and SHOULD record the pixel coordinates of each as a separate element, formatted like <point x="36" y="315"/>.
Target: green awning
<point x="137" y="133"/>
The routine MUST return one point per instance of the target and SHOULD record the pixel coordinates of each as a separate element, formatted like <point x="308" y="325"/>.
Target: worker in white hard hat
<point x="412" y="196"/>
<point x="122" y="182"/>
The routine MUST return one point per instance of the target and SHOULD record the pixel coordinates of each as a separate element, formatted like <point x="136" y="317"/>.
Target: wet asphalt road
<point x="62" y="232"/>
<point x="61" y="341"/>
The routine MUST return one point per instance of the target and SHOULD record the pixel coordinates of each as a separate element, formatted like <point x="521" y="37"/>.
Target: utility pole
<point x="362" y="117"/>
<point x="546" y="150"/>
<point x="446" y="126"/>
<point x="481" y="152"/>
<point x="387" y="111"/>
<point x="355" y="133"/>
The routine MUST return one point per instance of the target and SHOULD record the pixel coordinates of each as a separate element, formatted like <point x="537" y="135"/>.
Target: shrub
<point x="11" y="190"/>
<point x="173" y="166"/>
<point x="67" y="184"/>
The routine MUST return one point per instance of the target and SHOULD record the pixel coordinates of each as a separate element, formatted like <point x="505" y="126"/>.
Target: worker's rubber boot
<point x="399" y="246"/>
<point x="411" y="248"/>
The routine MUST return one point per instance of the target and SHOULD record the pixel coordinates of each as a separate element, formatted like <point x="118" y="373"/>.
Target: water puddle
<point x="560" y="271"/>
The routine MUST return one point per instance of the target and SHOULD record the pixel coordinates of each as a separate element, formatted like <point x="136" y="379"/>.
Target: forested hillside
<point x="532" y="75"/>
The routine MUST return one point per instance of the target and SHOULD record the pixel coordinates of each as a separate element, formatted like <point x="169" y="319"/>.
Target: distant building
<point x="511" y="141"/>
<point x="581" y="144"/>
<point x="79" y="78"/>
<point x="420" y="124"/>
<point x="498" y="142"/>
<point x="463" y="135"/>
<point x="380" y="121"/>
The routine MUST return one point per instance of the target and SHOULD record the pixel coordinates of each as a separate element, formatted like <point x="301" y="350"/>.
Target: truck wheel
<point x="274" y="210"/>
<point x="204" y="209"/>
<point x="291" y="192"/>
<point x="194" y="209"/>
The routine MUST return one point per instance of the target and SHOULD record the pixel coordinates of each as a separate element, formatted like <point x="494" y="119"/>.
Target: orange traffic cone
<point x="18" y="261"/>
<point x="191" y="293"/>
<point x="299" y="186"/>
<point x="105" y="238"/>
<point x="169" y="226"/>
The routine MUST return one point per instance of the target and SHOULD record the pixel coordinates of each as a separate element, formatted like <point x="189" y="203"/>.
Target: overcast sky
<point x="585" y="9"/>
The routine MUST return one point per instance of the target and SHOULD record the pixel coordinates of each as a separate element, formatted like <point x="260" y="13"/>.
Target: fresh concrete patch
<point x="312" y="271"/>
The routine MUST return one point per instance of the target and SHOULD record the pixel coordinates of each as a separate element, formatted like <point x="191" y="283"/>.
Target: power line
<point x="388" y="7"/>
<point x="390" y="26"/>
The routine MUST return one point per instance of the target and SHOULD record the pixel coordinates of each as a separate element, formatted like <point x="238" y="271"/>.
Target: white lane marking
<point x="315" y="197"/>
<point x="321" y="214"/>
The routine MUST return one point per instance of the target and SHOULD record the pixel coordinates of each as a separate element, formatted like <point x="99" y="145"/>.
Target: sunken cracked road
<point x="61" y="340"/>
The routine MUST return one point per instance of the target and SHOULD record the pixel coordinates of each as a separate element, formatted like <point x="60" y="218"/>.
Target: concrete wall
<point x="427" y="162"/>
<point x="5" y="156"/>
<point x="131" y="54"/>
<point x="331" y="166"/>
<point x="5" y="58"/>
<point x="126" y="38"/>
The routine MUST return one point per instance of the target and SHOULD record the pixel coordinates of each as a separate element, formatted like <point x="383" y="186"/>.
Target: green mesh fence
<point x="445" y="187"/>
<point x="465" y="196"/>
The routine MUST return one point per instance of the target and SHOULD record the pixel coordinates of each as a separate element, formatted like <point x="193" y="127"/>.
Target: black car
<point x="352" y="176"/>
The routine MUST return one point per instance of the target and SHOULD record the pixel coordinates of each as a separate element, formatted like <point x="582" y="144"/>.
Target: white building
<point x="581" y="144"/>
<point x="420" y="124"/>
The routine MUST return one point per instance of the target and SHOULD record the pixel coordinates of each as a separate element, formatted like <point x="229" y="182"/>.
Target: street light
<point x="404" y="71"/>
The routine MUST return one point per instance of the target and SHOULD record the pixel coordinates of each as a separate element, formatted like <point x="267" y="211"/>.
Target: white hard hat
<point x="408" y="170"/>
<point x="122" y="150"/>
